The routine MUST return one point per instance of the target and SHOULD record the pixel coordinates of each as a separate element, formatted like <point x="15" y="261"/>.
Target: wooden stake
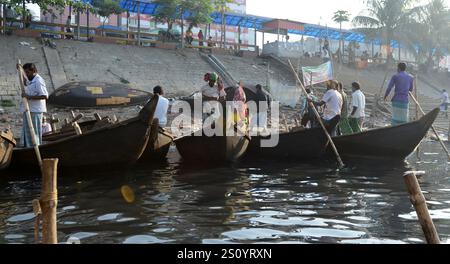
<point x="49" y="201"/>
<point x="432" y="127"/>
<point x="419" y="202"/>
<point x="338" y="157"/>
<point x="28" y="114"/>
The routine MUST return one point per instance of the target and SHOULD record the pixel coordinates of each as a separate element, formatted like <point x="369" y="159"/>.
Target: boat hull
<point x="300" y="145"/>
<point x="116" y="145"/>
<point x="7" y="144"/>
<point x="215" y="149"/>
<point x="391" y="143"/>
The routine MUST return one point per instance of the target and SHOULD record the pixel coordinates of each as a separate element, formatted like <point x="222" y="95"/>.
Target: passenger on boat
<point x="344" y="125"/>
<point x="37" y="94"/>
<point x="309" y="119"/>
<point x="212" y="93"/>
<point x="262" y="100"/>
<point x="359" y="108"/>
<point x="240" y="106"/>
<point x="332" y="100"/>
<point x="162" y="108"/>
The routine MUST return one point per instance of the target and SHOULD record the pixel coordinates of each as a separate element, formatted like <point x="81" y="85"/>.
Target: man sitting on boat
<point x="212" y="93"/>
<point x="332" y="100"/>
<point x="162" y="108"/>
<point x="262" y="100"/>
<point x="37" y="94"/>
<point x="404" y="83"/>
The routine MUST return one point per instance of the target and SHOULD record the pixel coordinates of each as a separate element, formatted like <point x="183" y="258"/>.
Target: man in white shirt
<point x="163" y="106"/>
<point x="37" y="94"/>
<point x="333" y="107"/>
<point x="359" y="108"/>
<point x="211" y="94"/>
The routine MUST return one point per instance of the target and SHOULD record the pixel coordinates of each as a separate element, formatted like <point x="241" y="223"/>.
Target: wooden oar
<point x="432" y="127"/>
<point x="338" y="157"/>
<point x="28" y="115"/>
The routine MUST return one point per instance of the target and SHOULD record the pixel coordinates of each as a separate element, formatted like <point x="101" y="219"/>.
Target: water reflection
<point x="244" y="203"/>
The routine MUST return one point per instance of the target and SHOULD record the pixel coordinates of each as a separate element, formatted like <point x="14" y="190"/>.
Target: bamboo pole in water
<point x="49" y="201"/>
<point x="432" y="127"/>
<point x="419" y="203"/>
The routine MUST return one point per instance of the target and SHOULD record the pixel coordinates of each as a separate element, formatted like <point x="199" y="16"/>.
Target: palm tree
<point x="340" y="17"/>
<point x="428" y="31"/>
<point x="384" y="18"/>
<point x="222" y="7"/>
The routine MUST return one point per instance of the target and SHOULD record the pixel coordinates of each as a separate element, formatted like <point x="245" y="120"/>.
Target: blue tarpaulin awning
<point x="148" y="7"/>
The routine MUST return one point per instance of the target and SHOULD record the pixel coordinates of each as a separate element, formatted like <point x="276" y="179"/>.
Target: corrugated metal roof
<point x="250" y="21"/>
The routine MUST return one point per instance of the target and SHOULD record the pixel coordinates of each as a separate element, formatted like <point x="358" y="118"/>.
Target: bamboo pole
<point x="49" y="201"/>
<point x="417" y="113"/>
<point x="419" y="203"/>
<point x="338" y="157"/>
<point x="432" y="127"/>
<point x="28" y="114"/>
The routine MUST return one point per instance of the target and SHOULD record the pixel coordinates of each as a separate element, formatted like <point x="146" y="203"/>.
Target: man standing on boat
<point x="404" y="84"/>
<point x="333" y="107"/>
<point x="357" y="116"/>
<point x="163" y="106"/>
<point x="212" y="93"/>
<point x="37" y="94"/>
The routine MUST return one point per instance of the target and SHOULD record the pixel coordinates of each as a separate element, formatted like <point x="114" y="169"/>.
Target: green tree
<point x="222" y="7"/>
<point x="341" y="16"/>
<point x="384" y="18"/>
<point x="105" y="8"/>
<point x="428" y="33"/>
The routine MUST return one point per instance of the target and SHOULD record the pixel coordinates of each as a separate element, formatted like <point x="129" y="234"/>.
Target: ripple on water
<point x="372" y="241"/>
<point x="145" y="239"/>
<point x="83" y="235"/>
<point x="20" y="218"/>
<point x="254" y="234"/>
<point x="14" y="236"/>
<point x="108" y="217"/>
<point x="291" y="221"/>
<point x="435" y="214"/>
<point x="328" y="232"/>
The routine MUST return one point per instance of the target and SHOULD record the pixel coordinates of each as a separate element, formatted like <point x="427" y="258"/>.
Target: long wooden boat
<point x="116" y="145"/>
<point x="7" y="144"/>
<point x="302" y="144"/>
<point x="390" y="143"/>
<point x="157" y="148"/>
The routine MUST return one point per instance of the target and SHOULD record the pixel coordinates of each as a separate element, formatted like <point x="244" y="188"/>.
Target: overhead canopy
<point x="263" y="24"/>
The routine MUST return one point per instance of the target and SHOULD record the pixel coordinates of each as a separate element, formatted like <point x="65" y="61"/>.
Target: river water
<point x="264" y="202"/>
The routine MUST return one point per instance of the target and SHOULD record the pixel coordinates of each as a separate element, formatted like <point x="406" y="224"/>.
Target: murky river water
<point x="247" y="203"/>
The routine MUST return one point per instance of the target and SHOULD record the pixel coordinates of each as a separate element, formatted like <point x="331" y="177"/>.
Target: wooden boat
<point x="302" y="144"/>
<point x="7" y="144"/>
<point x="97" y="94"/>
<point x="199" y="147"/>
<point x="158" y="145"/>
<point x="112" y="146"/>
<point x="390" y="143"/>
<point x="393" y="143"/>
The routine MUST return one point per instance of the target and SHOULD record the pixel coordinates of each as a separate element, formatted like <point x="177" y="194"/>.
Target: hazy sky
<point x="308" y="11"/>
